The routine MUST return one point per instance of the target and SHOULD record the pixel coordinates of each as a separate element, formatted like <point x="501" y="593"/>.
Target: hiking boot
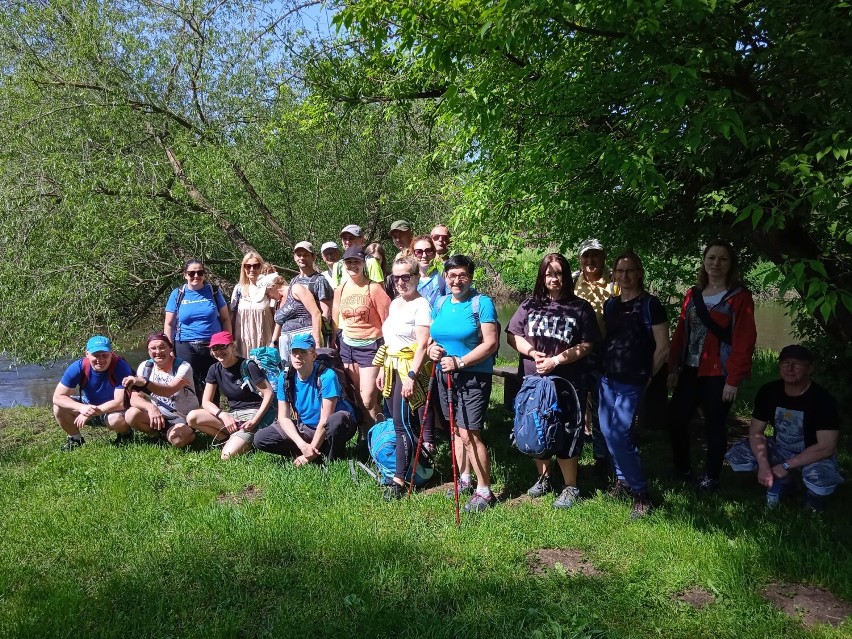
<point x="123" y="439"/>
<point x="540" y="488"/>
<point x="567" y="498"/>
<point x="478" y="503"/>
<point x="619" y="490"/>
<point x="642" y="506"/>
<point x="393" y="492"/>
<point x="707" y="485"/>
<point x="71" y="444"/>
<point x="465" y="488"/>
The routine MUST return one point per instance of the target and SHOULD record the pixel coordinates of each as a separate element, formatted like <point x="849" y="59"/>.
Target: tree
<point x="654" y="125"/>
<point x="139" y="134"/>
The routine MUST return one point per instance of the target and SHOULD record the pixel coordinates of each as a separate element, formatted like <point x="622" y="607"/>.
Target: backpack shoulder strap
<point x="646" y="312"/>
<point x="181" y="293"/>
<point x="86" y="368"/>
<point x="440" y="303"/>
<point x="149" y="368"/>
<point x="722" y="334"/>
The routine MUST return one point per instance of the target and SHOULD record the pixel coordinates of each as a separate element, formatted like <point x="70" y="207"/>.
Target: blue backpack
<point x="381" y="442"/>
<point x="268" y="359"/>
<point x="547" y="414"/>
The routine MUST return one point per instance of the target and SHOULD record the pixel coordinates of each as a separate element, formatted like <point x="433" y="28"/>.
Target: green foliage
<point x="654" y="126"/>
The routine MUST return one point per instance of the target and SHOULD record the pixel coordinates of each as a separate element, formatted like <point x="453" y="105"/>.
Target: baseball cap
<point x="355" y="253"/>
<point x="400" y="225"/>
<point x="222" y="338"/>
<point x="305" y="245"/>
<point x="590" y="245"/>
<point x="265" y="281"/>
<point x="796" y="351"/>
<point x="99" y="344"/>
<point x="328" y="245"/>
<point x="303" y="341"/>
<point x="352" y="229"/>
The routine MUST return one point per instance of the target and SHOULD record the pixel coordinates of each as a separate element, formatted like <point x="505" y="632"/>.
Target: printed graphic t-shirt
<point x="184" y="400"/>
<point x="796" y="419"/>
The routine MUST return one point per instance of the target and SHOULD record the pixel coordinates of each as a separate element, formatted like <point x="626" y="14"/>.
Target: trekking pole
<point x="453" y="446"/>
<point x="422" y="428"/>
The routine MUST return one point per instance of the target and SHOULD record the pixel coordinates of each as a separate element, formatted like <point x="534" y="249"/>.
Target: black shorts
<point x="471" y="392"/>
<point x="361" y="355"/>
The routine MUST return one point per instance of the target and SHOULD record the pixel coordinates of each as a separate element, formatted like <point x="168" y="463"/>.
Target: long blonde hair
<point x="244" y="280"/>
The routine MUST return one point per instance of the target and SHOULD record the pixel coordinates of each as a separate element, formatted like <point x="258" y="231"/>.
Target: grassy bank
<point x="144" y="541"/>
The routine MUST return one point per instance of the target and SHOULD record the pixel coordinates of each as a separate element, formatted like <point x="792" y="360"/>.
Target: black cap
<point x="354" y="253"/>
<point x="796" y="351"/>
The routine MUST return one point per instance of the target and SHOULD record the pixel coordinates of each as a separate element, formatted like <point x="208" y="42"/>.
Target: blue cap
<point x="99" y="344"/>
<point x="302" y="341"/>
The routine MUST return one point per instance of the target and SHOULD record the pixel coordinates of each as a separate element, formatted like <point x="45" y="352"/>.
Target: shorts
<point x="361" y="355"/>
<point x="245" y="414"/>
<point x="471" y="392"/>
<point x="97" y="420"/>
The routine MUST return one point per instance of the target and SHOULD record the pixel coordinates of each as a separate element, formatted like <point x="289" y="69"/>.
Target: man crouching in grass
<point x="805" y="421"/>
<point x="323" y="421"/>
<point x="101" y="400"/>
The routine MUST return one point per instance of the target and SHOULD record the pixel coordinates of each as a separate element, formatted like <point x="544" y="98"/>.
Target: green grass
<point x="136" y="542"/>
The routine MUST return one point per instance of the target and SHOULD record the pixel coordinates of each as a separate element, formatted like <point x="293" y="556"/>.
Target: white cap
<point x="328" y="245"/>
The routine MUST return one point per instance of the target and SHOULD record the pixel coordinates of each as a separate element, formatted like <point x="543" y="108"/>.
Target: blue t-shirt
<point x="455" y="328"/>
<point x="309" y="398"/>
<point x="432" y="287"/>
<point x="98" y="388"/>
<point x="198" y="316"/>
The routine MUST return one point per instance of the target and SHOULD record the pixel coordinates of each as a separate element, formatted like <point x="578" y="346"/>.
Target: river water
<point x="33" y="385"/>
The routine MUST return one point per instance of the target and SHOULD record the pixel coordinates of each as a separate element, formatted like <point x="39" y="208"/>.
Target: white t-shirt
<point x="398" y="328"/>
<point x="181" y="402"/>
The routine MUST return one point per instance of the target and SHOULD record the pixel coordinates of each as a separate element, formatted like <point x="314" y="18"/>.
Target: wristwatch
<point x="411" y="374"/>
<point x="785" y="466"/>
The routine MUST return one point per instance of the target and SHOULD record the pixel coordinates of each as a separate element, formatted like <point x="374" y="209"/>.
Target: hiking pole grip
<point x="453" y="446"/>
<point x="422" y="429"/>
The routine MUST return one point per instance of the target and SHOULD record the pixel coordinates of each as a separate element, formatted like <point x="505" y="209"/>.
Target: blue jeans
<point x="617" y="406"/>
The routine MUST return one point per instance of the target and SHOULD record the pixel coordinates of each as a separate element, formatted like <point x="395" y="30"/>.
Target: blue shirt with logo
<point x="197" y="319"/>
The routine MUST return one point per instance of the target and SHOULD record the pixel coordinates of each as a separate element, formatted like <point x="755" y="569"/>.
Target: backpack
<point x="268" y="360"/>
<point x="646" y="311"/>
<point x="86" y="367"/>
<point x="327" y="358"/>
<point x="381" y="442"/>
<point x="146" y="374"/>
<point x="474" y="307"/>
<point x="543" y="416"/>
<point x="181" y="293"/>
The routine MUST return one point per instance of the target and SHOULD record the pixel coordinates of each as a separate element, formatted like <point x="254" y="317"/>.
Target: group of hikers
<point x="414" y="340"/>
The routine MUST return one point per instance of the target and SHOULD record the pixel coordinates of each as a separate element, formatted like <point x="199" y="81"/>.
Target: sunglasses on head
<point x="200" y="273"/>
<point x="405" y="278"/>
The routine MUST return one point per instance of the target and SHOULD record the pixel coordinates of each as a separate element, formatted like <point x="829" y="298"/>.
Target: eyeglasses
<point x="625" y="271"/>
<point x="219" y="347"/>
<point x="792" y="363"/>
<point x="441" y="238"/>
<point x="200" y="273"/>
<point x="458" y="276"/>
<point x="251" y="267"/>
<point x="422" y="252"/>
<point x="405" y="278"/>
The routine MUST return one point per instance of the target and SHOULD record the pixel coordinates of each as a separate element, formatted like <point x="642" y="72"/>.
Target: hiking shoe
<point x="465" y="488"/>
<point x="393" y="492"/>
<point x="642" y="506"/>
<point x="619" y="490"/>
<point x="707" y="485"/>
<point x="123" y="439"/>
<point x="71" y="444"/>
<point x="567" y="498"/>
<point x="478" y="503"/>
<point x="540" y="488"/>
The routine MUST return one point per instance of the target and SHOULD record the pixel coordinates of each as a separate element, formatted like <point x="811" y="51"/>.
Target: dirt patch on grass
<point x="440" y="489"/>
<point x="520" y="499"/>
<point x="696" y="597"/>
<point x="572" y="561"/>
<point x="813" y="605"/>
<point x="249" y="493"/>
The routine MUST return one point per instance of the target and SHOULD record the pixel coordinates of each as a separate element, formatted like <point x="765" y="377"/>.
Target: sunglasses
<point x="251" y="267"/>
<point x="422" y="252"/>
<point x="219" y="347"/>
<point x="405" y="278"/>
<point x="200" y="273"/>
<point x="441" y="238"/>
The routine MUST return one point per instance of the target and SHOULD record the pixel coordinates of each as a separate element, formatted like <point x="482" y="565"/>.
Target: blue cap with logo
<point x="99" y="344"/>
<point x="303" y="341"/>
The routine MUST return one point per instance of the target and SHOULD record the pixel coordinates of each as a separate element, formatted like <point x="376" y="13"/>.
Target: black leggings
<point x="406" y="438"/>
<point x="691" y="391"/>
<point x="199" y="357"/>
